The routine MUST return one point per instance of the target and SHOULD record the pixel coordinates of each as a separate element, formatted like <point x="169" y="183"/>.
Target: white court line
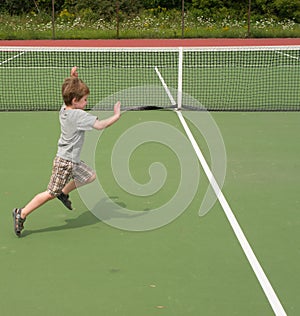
<point x="256" y="267"/>
<point x="173" y="102"/>
<point x="288" y="55"/>
<point x="12" y="58"/>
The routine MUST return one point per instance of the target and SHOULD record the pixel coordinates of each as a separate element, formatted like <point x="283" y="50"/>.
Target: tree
<point x="288" y="9"/>
<point x="168" y="4"/>
<point x="16" y="6"/>
<point x="221" y="8"/>
<point x="107" y="8"/>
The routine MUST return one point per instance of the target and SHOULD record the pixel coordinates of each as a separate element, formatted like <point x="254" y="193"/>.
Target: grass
<point x="146" y="25"/>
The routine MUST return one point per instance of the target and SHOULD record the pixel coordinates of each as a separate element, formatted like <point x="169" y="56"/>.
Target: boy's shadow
<point x="84" y="219"/>
<point x="104" y="210"/>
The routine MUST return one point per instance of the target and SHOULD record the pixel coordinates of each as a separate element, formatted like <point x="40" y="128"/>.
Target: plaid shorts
<point x="64" y="170"/>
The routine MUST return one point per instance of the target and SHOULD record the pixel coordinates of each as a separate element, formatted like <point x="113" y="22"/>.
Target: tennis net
<point x="216" y="79"/>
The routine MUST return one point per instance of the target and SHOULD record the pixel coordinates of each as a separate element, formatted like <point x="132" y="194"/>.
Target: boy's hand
<point x="117" y="108"/>
<point x="111" y="120"/>
<point x="74" y="72"/>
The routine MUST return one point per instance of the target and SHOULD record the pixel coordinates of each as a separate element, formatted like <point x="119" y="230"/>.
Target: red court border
<point x="154" y="42"/>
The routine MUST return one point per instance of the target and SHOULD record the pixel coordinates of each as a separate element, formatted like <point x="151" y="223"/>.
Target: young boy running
<point x="68" y="172"/>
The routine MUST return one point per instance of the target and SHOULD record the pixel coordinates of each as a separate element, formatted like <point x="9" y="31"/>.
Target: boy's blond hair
<point x="73" y="88"/>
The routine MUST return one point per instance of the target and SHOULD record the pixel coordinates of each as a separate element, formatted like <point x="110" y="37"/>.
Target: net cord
<point x="147" y="49"/>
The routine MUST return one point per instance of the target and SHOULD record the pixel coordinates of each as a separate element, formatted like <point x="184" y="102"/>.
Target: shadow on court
<point x="87" y="218"/>
<point x="106" y="210"/>
<point x="84" y="219"/>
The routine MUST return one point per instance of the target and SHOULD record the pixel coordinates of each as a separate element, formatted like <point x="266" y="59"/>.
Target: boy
<point x="68" y="172"/>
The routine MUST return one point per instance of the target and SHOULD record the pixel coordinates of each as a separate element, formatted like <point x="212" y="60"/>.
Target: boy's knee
<point x="50" y="196"/>
<point x="92" y="178"/>
<point x="87" y="181"/>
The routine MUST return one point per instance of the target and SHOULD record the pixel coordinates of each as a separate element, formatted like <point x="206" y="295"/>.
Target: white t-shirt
<point x="73" y="125"/>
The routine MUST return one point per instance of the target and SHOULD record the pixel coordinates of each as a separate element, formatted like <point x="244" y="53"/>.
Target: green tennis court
<point x="169" y="260"/>
<point x="71" y="263"/>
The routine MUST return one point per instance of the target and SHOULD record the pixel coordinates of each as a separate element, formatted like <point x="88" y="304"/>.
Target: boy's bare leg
<point x="44" y="197"/>
<point x="72" y="185"/>
<point x="36" y="202"/>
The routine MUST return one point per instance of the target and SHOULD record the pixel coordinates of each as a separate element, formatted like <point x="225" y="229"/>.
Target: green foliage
<point x="219" y="9"/>
<point x="15" y="6"/>
<point x="168" y="4"/>
<point x="106" y="9"/>
<point x="151" y="23"/>
<point x="288" y="9"/>
<point x="93" y="10"/>
<point x="263" y="7"/>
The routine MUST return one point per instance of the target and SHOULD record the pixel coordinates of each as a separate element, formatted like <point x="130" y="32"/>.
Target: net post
<point x="179" y="87"/>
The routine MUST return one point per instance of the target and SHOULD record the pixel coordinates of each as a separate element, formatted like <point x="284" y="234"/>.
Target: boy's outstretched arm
<point x="101" y="124"/>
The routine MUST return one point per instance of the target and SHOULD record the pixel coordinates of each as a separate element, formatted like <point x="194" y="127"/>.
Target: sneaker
<point x="64" y="198"/>
<point x="18" y="221"/>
